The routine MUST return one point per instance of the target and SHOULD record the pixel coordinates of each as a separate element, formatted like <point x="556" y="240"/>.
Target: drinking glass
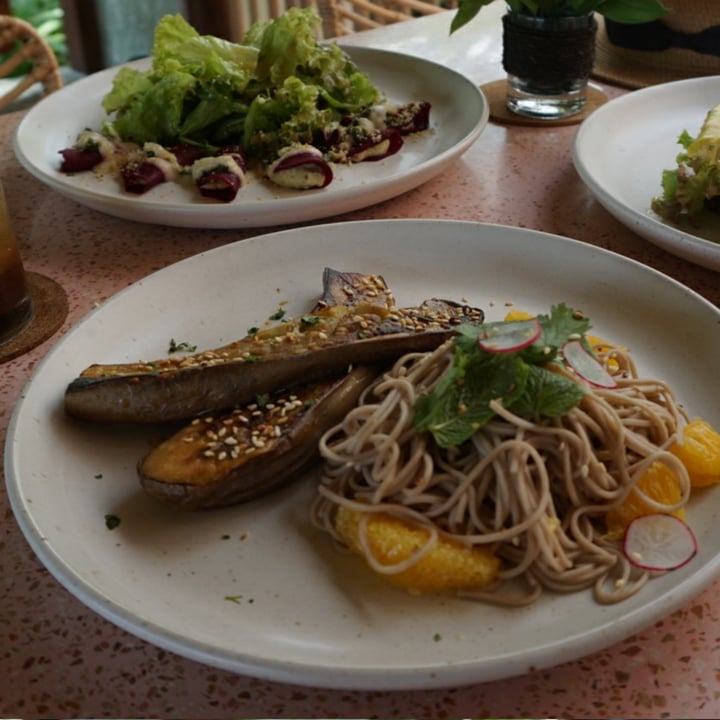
<point x="15" y="300"/>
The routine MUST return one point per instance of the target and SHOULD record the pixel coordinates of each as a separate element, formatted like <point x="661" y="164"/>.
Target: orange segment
<point x="659" y="483"/>
<point x="700" y="453"/>
<point x="512" y="315"/>
<point x="446" y="567"/>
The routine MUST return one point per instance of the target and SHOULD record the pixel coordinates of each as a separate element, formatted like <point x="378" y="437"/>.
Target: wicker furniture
<point x="343" y="17"/>
<point x="22" y="43"/>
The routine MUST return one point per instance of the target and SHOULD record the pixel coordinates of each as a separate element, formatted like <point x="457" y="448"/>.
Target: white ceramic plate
<point x="458" y="116"/>
<point x="621" y="149"/>
<point x="303" y="612"/>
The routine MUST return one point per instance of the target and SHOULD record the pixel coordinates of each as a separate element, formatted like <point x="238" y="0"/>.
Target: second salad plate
<point x="622" y="148"/>
<point x="458" y="116"/>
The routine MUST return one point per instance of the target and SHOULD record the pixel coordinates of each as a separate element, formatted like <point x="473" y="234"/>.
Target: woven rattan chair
<point x="244" y="14"/>
<point x="22" y="43"/>
<point x="343" y="17"/>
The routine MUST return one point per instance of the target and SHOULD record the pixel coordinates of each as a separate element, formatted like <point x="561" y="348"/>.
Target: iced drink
<point x="15" y="304"/>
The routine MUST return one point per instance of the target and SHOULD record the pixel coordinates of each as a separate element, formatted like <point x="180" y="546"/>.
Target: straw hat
<point x="684" y="43"/>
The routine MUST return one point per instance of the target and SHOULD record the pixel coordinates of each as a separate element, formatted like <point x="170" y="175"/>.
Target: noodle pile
<point x="534" y="492"/>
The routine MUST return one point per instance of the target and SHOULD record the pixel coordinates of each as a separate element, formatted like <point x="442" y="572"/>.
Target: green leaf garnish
<point x="174" y="346"/>
<point x="521" y="381"/>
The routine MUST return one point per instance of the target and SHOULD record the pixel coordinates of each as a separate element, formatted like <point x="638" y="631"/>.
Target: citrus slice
<point x="700" y="453"/>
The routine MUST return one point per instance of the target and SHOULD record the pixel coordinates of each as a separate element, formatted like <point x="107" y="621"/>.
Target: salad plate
<point x="255" y="588"/>
<point x="458" y="116"/>
<point x="622" y="148"/>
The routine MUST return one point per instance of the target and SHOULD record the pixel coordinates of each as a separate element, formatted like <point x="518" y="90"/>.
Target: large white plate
<point x="304" y="613"/>
<point x="458" y="116"/>
<point x="621" y="149"/>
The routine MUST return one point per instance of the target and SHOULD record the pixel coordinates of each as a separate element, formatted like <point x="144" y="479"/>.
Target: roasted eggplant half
<point x="220" y="460"/>
<point x="304" y="349"/>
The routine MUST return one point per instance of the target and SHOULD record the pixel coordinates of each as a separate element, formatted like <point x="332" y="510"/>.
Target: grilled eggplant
<point x="304" y="349"/>
<point x="240" y="455"/>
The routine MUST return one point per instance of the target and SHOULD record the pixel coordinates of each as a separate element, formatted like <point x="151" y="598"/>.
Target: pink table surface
<point x="59" y="659"/>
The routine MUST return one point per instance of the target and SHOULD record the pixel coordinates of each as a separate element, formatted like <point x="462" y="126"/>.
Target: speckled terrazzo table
<point x="59" y="659"/>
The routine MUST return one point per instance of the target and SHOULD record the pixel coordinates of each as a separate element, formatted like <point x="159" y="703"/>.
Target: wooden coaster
<point x="50" y="308"/>
<point x="496" y="91"/>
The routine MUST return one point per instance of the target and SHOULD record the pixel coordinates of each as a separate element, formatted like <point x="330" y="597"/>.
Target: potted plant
<point x="549" y="48"/>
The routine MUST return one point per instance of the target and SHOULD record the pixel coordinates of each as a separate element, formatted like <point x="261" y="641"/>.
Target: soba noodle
<point x="535" y="492"/>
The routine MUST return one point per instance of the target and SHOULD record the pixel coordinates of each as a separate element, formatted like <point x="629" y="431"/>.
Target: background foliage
<point x="47" y="17"/>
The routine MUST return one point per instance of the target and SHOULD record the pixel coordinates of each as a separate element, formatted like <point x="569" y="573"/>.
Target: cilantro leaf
<point x="561" y="325"/>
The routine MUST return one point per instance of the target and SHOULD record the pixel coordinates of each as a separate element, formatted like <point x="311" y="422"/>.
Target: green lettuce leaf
<point x="278" y="87"/>
<point x="157" y="114"/>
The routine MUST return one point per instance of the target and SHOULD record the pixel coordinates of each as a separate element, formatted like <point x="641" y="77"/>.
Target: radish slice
<point x="586" y="365"/>
<point x="505" y="337"/>
<point x="659" y="542"/>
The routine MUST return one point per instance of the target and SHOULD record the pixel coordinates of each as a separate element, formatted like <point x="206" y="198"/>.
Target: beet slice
<point x="295" y="159"/>
<point x="222" y="185"/>
<point x="362" y="151"/>
<point x="138" y="179"/>
<point x="77" y="160"/>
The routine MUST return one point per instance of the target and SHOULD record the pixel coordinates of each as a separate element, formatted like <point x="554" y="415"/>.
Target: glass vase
<point x="548" y="61"/>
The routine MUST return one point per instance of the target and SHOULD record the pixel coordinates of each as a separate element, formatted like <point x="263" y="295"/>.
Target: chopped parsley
<point x="111" y="521"/>
<point x="237" y="599"/>
<point x="279" y="314"/>
<point x="309" y="320"/>
<point x="459" y="405"/>
<point x="180" y="346"/>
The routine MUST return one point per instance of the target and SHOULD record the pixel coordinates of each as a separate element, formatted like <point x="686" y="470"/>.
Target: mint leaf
<point x="460" y="404"/>
<point x="547" y="394"/>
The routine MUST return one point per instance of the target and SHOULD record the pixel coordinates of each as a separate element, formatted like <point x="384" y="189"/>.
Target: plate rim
<point x="664" y="235"/>
<point x="240" y="216"/>
<point x="458" y="674"/>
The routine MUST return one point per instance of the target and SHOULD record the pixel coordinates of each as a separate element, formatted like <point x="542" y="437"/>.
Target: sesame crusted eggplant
<point x="239" y="455"/>
<point x="303" y="349"/>
<point x="354" y="322"/>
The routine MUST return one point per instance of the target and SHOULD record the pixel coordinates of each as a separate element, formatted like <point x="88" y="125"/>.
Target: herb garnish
<point x="309" y="320"/>
<point x="180" y="346"/>
<point x="111" y="521"/>
<point x="279" y="314"/>
<point x="460" y="403"/>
